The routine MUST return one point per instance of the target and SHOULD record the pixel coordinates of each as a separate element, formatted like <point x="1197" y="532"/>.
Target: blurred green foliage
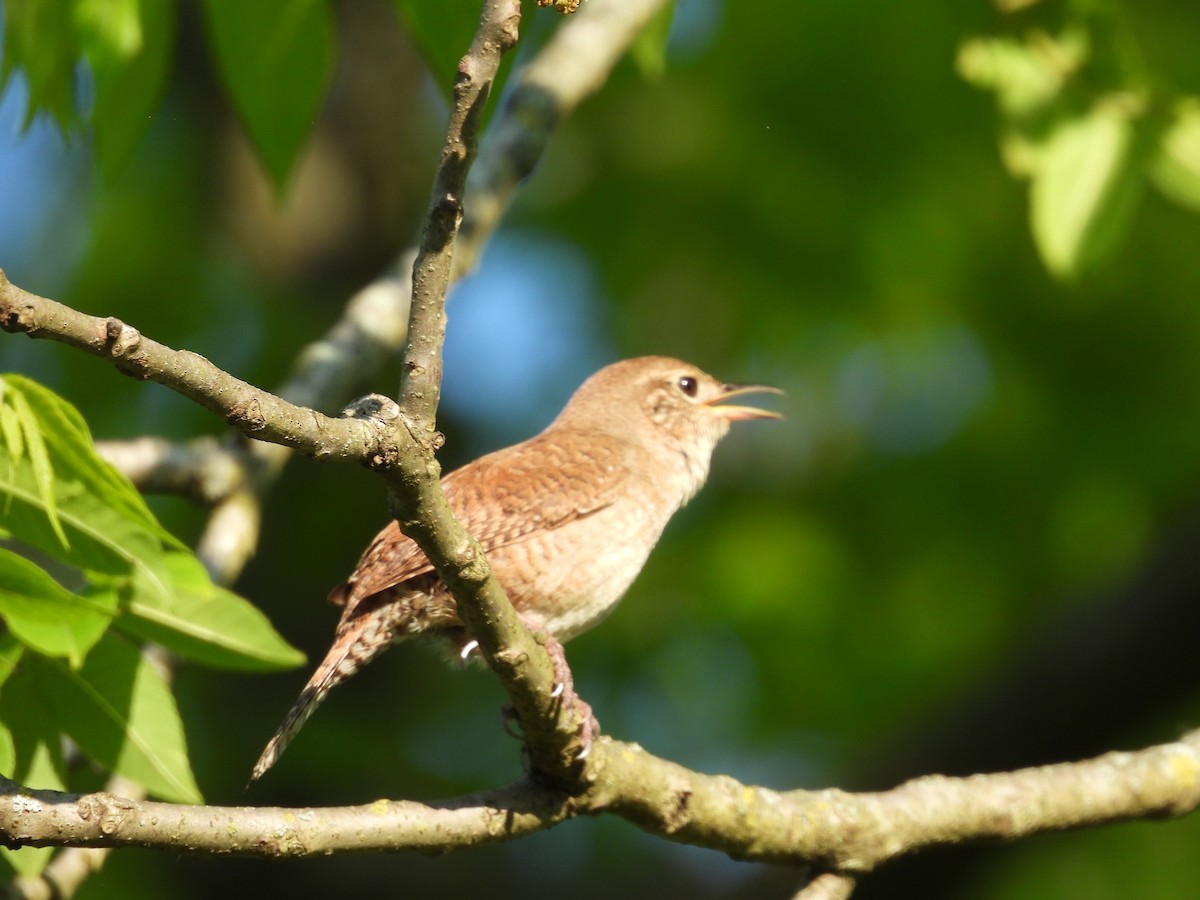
<point x="969" y="545"/>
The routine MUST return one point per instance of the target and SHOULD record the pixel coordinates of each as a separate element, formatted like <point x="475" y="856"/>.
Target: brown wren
<point x="566" y="519"/>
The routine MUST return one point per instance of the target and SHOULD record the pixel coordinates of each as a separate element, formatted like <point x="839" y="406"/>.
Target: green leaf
<point x="1025" y="75"/>
<point x="1084" y="190"/>
<point x="11" y="651"/>
<point x="39" y="40"/>
<point x="101" y="538"/>
<point x="120" y="712"/>
<point x="73" y="455"/>
<point x="37" y="758"/>
<point x="8" y="751"/>
<point x="443" y="29"/>
<point x="128" y="46"/>
<point x="207" y="623"/>
<point x="46" y="616"/>
<point x="37" y="744"/>
<point x="274" y="58"/>
<point x="39" y="459"/>
<point x="1175" y="166"/>
<point x="11" y="435"/>
<point x="109" y="27"/>
<point x="649" y="49"/>
<point x="106" y="524"/>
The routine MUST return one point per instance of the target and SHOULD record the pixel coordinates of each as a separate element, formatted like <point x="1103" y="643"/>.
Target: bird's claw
<point x="564" y="692"/>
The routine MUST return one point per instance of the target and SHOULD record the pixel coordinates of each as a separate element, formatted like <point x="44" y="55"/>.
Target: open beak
<point x="734" y="413"/>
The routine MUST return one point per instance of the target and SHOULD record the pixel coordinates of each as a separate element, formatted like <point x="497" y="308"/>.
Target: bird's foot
<point x="564" y="693"/>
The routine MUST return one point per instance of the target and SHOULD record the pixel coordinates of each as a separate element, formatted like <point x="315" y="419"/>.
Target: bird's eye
<point x="688" y="385"/>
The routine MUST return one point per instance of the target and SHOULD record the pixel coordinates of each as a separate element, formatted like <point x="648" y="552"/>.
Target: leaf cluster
<point x="69" y="660"/>
<point x="1089" y="124"/>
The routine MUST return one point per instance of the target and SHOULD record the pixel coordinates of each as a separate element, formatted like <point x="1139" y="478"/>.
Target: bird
<point x="566" y="519"/>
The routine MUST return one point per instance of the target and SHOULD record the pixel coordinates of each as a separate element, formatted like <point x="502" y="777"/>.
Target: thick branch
<point x="845" y="834"/>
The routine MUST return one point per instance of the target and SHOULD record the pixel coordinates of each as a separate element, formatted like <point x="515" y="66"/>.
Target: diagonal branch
<point x="251" y="410"/>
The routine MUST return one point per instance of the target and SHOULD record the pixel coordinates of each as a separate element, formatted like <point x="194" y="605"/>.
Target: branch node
<point x="17" y="317"/>
<point x="109" y="811"/>
<point x="123" y="343"/>
<point x="247" y="416"/>
<point x="678" y="816"/>
<point x="378" y="408"/>
<point x="446" y="211"/>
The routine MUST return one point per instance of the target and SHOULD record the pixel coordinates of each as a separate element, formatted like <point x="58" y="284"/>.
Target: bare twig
<point x="413" y="474"/>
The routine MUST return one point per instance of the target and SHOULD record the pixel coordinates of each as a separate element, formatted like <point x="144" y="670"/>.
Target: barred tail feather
<point x="307" y="703"/>
<point x="352" y="650"/>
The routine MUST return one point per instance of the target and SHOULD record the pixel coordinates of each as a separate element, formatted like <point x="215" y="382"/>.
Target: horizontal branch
<point x="851" y="833"/>
<point x="844" y="834"/>
<point x="49" y="818"/>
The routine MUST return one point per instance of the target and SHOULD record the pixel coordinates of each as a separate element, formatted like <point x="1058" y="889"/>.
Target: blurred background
<point x="971" y="546"/>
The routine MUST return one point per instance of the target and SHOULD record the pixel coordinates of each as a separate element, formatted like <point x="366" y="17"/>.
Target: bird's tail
<point x="353" y="648"/>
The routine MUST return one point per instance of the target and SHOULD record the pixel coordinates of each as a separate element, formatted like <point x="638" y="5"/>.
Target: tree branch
<point x="403" y="451"/>
<point x="844" y="834"/>
<point x="252" y="411"/>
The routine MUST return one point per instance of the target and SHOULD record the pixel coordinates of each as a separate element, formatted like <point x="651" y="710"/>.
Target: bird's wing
<point x="502" y="499"/>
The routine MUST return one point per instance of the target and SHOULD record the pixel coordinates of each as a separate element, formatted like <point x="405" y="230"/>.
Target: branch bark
<point x="251" y="410"/>
<point x="844" y="834"/>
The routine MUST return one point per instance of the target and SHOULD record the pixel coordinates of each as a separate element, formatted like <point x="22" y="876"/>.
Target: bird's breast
<point x="568" y="579"/>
